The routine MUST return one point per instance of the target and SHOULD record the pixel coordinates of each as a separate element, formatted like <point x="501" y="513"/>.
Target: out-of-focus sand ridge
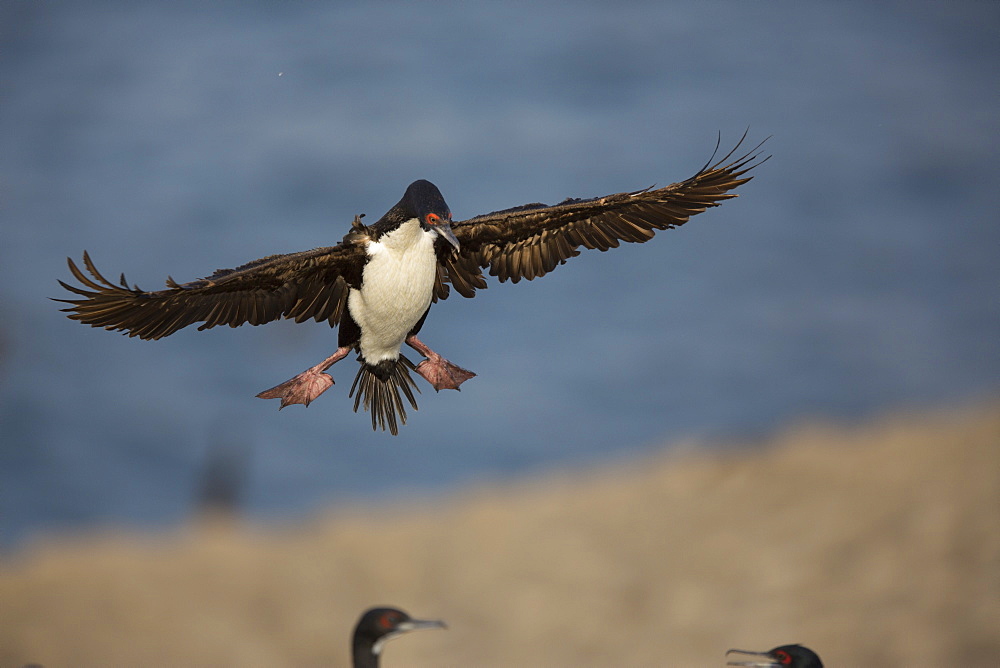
<point x="875" y="545"/>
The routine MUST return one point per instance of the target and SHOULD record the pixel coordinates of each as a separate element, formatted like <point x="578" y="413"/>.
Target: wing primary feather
<point x="76" y="290"/>
<point x="83" y="278"/>
<point x="93" y="270"/>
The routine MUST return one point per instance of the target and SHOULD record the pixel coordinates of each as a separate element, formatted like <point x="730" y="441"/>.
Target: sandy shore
<point x="877" y="545"/>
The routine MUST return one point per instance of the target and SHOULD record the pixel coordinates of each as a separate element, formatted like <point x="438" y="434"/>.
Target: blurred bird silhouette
<point x="786" y="656"/>
<point x="222" y="482"/>
<point x="378" y="625"/>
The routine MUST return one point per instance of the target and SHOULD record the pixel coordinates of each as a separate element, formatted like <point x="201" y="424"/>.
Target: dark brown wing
<point x="311" y="284"/>
<point x="531" y="240"/>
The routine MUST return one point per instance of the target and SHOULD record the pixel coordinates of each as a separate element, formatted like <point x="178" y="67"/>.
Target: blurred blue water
<point x="857" y="273"/>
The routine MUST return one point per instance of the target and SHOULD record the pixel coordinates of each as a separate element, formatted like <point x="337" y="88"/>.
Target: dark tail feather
<point x="378" y="386"/>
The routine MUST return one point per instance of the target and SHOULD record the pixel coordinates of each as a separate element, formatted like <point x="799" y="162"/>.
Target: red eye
<point x="784" y="657"/>
<point x="433" y="219"/>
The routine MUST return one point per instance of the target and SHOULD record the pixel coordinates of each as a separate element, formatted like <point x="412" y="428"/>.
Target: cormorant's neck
<point x="394" y="217"/>
<point x="363" y="655"/>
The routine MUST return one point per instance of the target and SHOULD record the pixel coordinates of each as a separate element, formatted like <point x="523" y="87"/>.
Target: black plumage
<point x="523" y="242"/>
<point x="785" y="656"/>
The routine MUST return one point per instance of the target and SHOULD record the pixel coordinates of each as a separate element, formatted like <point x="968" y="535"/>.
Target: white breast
<point x="396" y="289"/>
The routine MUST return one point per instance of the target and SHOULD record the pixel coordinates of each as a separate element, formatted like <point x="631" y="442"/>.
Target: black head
<point x="423" y="201"/>
<point x="790" y="656"/>
<point x="378" y="625"/>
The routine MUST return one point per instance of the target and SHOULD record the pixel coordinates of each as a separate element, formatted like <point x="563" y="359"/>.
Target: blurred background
<point x="856" y="276"/>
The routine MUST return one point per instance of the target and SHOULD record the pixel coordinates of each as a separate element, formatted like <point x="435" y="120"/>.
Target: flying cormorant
<point x="378" y="283"/>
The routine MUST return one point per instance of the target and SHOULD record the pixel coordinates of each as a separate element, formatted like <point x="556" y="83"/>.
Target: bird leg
<point x="308" y="385"/>
<point x="438" y="371"/>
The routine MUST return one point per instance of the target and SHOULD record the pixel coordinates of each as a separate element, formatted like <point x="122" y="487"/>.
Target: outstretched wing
<point x="311" y="284"/>
<point x="531" y="240"/>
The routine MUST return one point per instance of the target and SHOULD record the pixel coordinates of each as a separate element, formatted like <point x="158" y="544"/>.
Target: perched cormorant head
<point x="378" y="625"/>
<point x="786" y="656"/>
<point x="428" y="206"/>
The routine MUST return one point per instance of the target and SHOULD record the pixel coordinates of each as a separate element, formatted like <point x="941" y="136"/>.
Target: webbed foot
<point x="301" y="389"/>
<point x="306" y="386"/>
<point x="442" y="374"/>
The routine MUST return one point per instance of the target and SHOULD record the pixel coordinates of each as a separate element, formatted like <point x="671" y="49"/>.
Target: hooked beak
<point x="443" y="227"/>
<point x="406" y="627"/>
<point x="769" y="660"/>
<point x="417" y="624"/>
